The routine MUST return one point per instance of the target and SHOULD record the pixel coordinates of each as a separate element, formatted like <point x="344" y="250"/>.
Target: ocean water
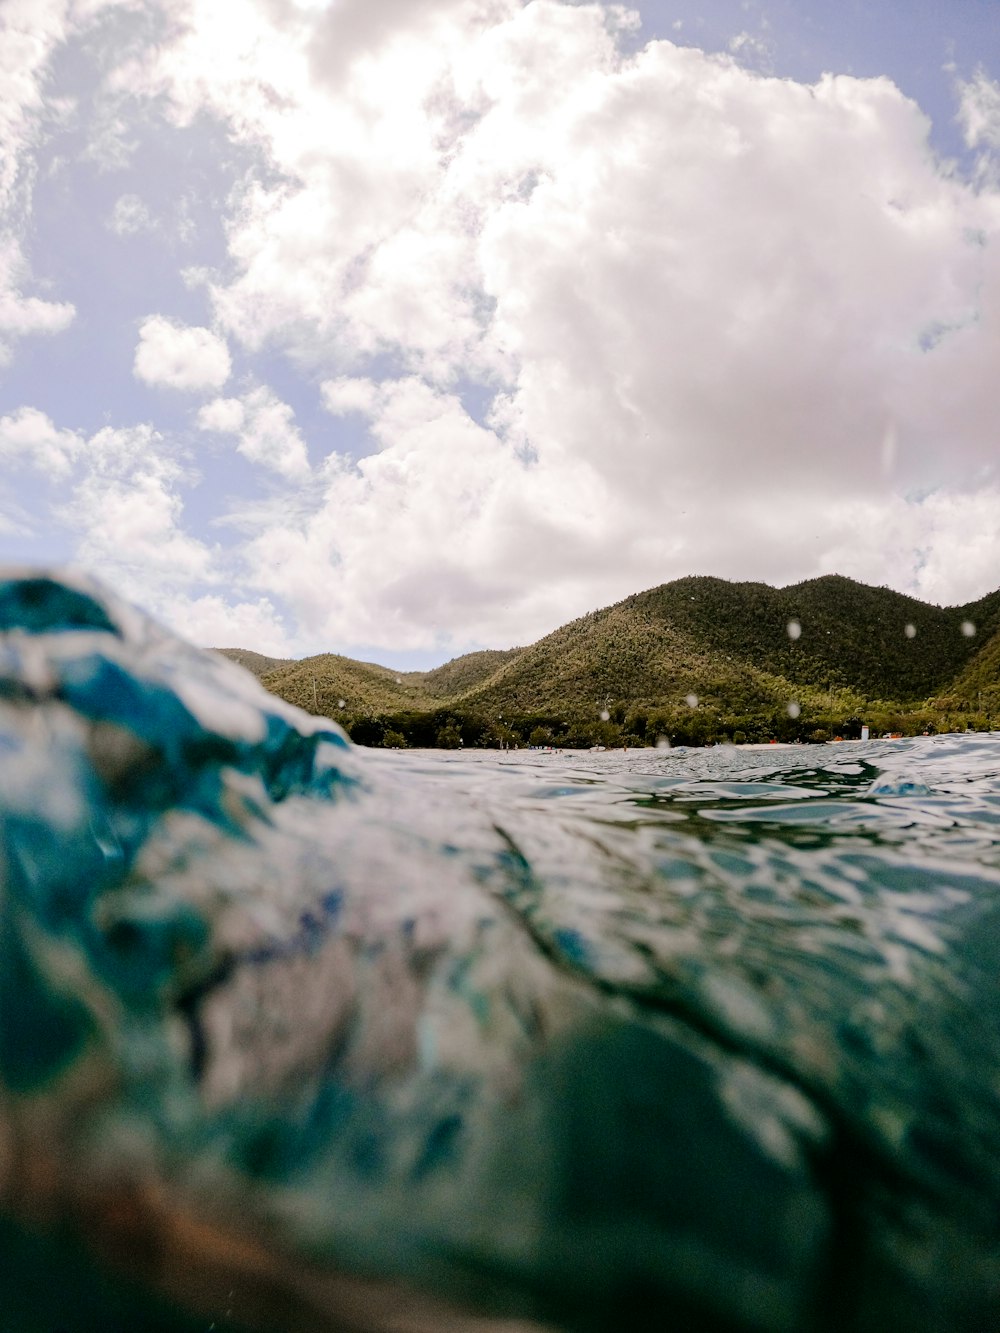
<point x="299" y="1036"/>
<point x="826" y="919"/>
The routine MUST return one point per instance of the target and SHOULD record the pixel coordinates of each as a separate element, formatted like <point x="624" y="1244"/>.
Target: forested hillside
<point x="256" y="663"/>
<point x="852" y="635"/>
<point x="693" y="661"/>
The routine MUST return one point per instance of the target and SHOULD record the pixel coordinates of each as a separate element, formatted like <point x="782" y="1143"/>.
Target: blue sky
<point x="404" y="327"/>
<point x="913" y="42"/>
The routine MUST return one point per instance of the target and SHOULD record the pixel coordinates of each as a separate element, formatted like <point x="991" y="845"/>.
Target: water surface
<point x="299" y="1036"/>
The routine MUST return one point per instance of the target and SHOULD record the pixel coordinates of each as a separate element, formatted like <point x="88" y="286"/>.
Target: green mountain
<point x="463" y="674"/>
<point x="318" y="684"/>
<point x="977" y="688"/>
<point x="256" y="663"/>
<point x="695" y="660"/>
<point x="853" y="636"/>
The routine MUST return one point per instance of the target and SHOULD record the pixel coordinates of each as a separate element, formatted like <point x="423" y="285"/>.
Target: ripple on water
<point x="847" y="893"/>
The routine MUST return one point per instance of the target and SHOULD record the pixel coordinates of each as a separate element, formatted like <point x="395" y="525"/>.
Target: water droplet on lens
<point x="890" y="443"/>
<point x="662" y="743"/>
<point x="794" y="710"/>
<point x="968" y="628"/>
<point x="910" y="631"/>
<point x="605" y="715"/>
<point x="692" y="701"/>
<point x="794" y="630"/>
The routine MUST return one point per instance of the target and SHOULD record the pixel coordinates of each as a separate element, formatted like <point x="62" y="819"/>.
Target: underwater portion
<point x="297" y="1036"/>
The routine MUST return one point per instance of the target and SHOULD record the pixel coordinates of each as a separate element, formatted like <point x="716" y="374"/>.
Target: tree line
<point x="453" y="729"/>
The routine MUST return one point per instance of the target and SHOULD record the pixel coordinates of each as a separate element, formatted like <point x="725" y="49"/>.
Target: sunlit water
<point x="782" y="878"/>
<point x="830" y="916"/>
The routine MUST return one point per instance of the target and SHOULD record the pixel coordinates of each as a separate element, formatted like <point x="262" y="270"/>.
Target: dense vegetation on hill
<point x="976" y="689"/>
<point x="693" y="661"/>
<point x="852" y="635"/>
<point x="318" y="684"/>
<point x="256" y="663"/>
<point x="462" y="674"/>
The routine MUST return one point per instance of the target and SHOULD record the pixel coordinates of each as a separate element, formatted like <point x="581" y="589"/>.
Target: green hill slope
<point x="256" y="663"/>
<point x="621" y="657"/>
<point x="852" y="636"/>
<point x="319" y="683"/>
<point x="645" y="661"/>
<point x="977" y="688"/>
<point x="462" y="674"/>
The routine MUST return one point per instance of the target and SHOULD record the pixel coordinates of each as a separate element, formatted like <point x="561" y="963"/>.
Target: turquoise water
<point x="294" y="1035"/>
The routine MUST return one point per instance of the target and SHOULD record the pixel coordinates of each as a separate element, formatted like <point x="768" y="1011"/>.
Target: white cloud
<point x="979" y="110"/>
<point x="345" y="394"/>
<point x="702" y="301"/>
<point x="753" y="51"/>
<point x="131" y="531"/>
<point x="20" y="314"/>
<point x="270" y="437"/>
<point x="116" y="502"/>
<point x="223" y="415"/>
<point x="130" y="216"/>
<point x="701" y="291"/>
<point x="428" y="535"/>
<point x="28" y="436"/>
<point x="213" y="621"/>
<point x="944" y="548"/>
<point x="179" y="356"/>
<point x="266" y="428"/>
<point x="123" y="513"/>
<point x="127" y="513"/>
<point x="112" y="142"/>
<point x="30" y="31"/>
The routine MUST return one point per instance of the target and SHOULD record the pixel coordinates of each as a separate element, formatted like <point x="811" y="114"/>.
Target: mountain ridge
<point x="802" y="659"/>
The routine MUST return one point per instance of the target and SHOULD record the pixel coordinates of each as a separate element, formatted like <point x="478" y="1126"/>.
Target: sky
<point x="400" y="328"/>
